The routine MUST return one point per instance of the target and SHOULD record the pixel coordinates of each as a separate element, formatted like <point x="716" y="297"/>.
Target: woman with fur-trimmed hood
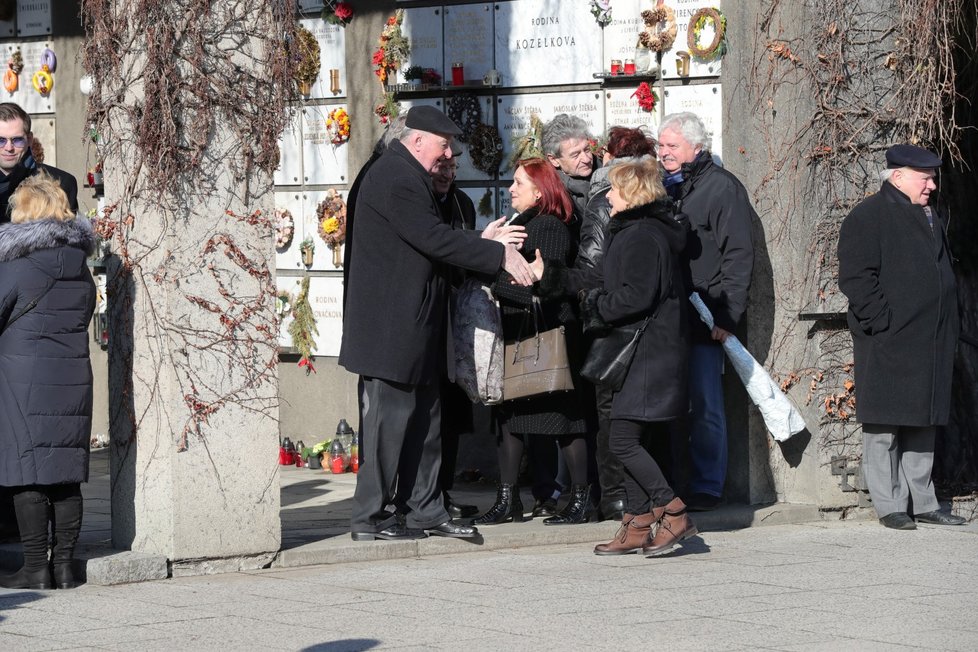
<point x="47" y="298"/>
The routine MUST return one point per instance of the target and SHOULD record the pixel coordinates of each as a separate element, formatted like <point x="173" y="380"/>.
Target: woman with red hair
<point x="544" y="209"/>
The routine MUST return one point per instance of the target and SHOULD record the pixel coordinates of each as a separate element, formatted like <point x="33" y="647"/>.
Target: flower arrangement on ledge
<point x="421" y="75"/>
<point x="646" y="97"/>
<point x="387" y="109"/>
<point x="337" y="13"/>
<point x="331" y="214"/>
<point x="394" y="48"/>
<point x="338" y="126"/>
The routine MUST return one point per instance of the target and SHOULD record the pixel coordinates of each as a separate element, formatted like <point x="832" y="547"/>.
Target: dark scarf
<point x="674" y="182"/>
<point x="24" y="169"/>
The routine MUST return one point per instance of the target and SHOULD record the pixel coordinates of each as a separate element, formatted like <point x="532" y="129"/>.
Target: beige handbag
<point x="536" y="364"/>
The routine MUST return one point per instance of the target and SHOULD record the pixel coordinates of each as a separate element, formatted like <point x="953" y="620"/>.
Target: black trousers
<point x="645" y="483"/>
<point x="401" y="446"/>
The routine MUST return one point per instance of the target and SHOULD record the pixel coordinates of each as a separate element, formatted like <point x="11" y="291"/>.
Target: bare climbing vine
<point x="189" y="99"/>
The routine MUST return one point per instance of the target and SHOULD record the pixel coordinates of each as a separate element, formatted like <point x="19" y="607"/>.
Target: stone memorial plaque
<point x="469" y="41"/>
<point x="621" y="35"/>
<point x="476" y="195"/>
<point x="322" y="260"/>
<point x="309" y="6"/>
<point x="423" y="27"/>
<point x="546" y="42"/>
<point x="684" y="10"/>
<point x="504" y="205"/>
<point x="704" y="100"/>
<point x="25" y="95"/>
<point x="45" y="131"/>
<point x="322" y="161"/>
<point x="332" y="56"/>
<point x="33" y="19"/>
<point x="514" y="113"/>
<point x="289" y="172"/>
<point x="288" y="258"/>
<point x="326" y="299"/>
<point x="622" y="110"/>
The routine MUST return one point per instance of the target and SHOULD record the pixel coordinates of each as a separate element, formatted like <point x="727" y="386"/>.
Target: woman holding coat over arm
<point x="639" y="277"/>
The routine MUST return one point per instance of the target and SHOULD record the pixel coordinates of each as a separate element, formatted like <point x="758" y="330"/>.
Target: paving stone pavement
<point x="843" y="585"/>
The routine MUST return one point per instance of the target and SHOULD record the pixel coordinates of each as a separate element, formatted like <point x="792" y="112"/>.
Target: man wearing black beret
<point x="396" y="323"/>
<point x="895" y="269"/>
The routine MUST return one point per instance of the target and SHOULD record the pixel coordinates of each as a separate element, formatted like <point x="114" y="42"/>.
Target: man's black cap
<point x="911" y="156"/>
<point x="428" y="118"/>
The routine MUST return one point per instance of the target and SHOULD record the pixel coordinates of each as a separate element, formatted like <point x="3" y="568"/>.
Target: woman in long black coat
<point x="544" y="209"/>
<point x="639" y="277"/>
<point x="47" y="297"/>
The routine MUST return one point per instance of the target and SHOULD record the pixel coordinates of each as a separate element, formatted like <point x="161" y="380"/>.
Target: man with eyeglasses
<point x="895" y="269"/>
<point x="17" y="162"/>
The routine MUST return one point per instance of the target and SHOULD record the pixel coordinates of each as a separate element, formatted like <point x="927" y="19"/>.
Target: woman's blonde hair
<point x="39" y="197"/>
<point x="638" y="182"/>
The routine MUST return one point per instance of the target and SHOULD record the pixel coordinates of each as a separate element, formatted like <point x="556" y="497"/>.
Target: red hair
<point x="623" y="142"/>
<point x="554" y="199"/>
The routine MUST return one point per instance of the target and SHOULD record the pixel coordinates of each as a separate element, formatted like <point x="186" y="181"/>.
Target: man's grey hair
<point x="395" y="129"/>
<point x="887" y="174"/>
<point x="689" y="126"/>
<point x="562" y="127"/>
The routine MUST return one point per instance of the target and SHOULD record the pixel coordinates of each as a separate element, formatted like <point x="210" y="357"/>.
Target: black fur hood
<point x="20" y="240"/>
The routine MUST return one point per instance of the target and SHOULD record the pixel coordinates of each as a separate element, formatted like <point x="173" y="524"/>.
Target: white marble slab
<point x="322" y="161"/>
<point x="289" y="172"/>
<point x="621" y="109"/>
<point x="25" y="95"/>
<point x="423" y="28"/>
<point x="288" y="257"/>
<point x="469" y="40"/>
<point x="332" y="56"/>
<point x="706" y="101"/>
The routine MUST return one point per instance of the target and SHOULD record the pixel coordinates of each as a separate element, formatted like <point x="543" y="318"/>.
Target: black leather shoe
<point x="544" y="507"/>
<point x="937" y="517"/>
<point x="613" y="510"/>
<point x="459" y="511"/>
<point x="396" y="532"/>
<point x="898" y="521"/>
<point x="702" y="502"/>
<point x="451" y="529"/>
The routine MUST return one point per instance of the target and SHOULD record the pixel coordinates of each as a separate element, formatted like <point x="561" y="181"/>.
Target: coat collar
<point x="20" y="240"/>
<point x="660" y="209"/>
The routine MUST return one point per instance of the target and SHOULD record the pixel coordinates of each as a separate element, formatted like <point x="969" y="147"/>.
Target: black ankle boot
<point x="32" y="519"/>
<point x="578" y="510"/>
<point x="508" y="507"/>
<point x="66" y="526"/>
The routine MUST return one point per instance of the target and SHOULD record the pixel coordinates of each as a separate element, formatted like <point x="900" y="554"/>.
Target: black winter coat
<point x="396" y="316"/>
<point x="28" y="168"/>
<point x="720" y="249"/>
<point x="45" y="373"/>
<point x="903" y="311"/>
<point x="597" y="214"/>
<point x="639" y="275"/>
<point x="559" y="413"/>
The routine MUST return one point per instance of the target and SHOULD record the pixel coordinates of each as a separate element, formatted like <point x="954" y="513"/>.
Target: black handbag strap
<point x="33" y="304"/>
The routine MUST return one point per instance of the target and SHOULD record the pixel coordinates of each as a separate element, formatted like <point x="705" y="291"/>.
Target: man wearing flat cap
<point x="895" y="269"/>
<point x="395" y="327"/>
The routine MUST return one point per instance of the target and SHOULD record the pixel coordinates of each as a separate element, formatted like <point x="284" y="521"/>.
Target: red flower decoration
<point x="378" y="57"/>
<point x="646" y="97"/>
<point x="343" y="11"/>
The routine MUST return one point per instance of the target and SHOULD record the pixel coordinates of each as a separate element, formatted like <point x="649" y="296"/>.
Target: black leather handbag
<point x="610" y="356"/>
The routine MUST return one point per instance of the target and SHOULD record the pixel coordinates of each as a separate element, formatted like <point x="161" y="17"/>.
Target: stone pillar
<point x="189" y="132"/>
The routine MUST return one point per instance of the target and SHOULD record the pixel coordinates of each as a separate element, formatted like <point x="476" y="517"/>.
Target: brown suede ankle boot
<point x="674" y="526"/>
<point x="631" y="536"/>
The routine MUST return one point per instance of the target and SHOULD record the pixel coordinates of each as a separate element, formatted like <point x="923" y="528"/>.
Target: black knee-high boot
<point x="67" y="503"/>
<point x="31" y="508"/>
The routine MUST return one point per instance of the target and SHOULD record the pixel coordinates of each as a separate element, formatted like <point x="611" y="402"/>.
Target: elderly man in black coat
<point x="395" y="327"/>
<point x="895" y="269"/>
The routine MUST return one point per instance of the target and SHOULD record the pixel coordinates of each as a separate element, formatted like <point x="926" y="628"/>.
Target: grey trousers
<point x="401" y="449"/>
<point x="897" y="463"/>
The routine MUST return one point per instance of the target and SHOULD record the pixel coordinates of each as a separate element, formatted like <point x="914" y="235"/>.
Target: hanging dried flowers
<point x="303" y="328"/>
<point x="528" y="145"/>
<point x="337" y="13"/>
<point x="394" y="48"/>
<point x="338" y="126"/>
<point x="307" y="59"/>
<point x="485" y="204"/>
<point x="387" y="109"/>
<point x="284" y="228"/>
<point x="660" y="28"/>
<point x="331" y="214"/>
<point x="697" y="23"/>
<point x="601" y="10"/>
<point x="646" y="97"/>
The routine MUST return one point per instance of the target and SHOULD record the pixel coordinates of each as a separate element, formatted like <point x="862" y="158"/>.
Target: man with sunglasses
<point x="17" y="162"/>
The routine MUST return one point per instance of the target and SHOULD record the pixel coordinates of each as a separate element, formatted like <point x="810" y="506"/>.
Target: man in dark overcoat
<point x="395" y="327"/>
<point x="895" y="269"/>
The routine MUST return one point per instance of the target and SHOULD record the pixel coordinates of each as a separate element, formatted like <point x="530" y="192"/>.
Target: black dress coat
<point x="720" y="248"/>
<point x="903" y="311"/>
<point x="640" y="275"/>
<point x="45" y="373"/>
<point x="396" y="316"/>
<point x="559" y="413"/>
<point x="29" y="168"/>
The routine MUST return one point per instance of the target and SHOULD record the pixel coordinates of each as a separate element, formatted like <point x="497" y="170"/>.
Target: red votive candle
<point x="616" y="66"/>
<point x="629" y="67"/>
<point x="458" y="74"/>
